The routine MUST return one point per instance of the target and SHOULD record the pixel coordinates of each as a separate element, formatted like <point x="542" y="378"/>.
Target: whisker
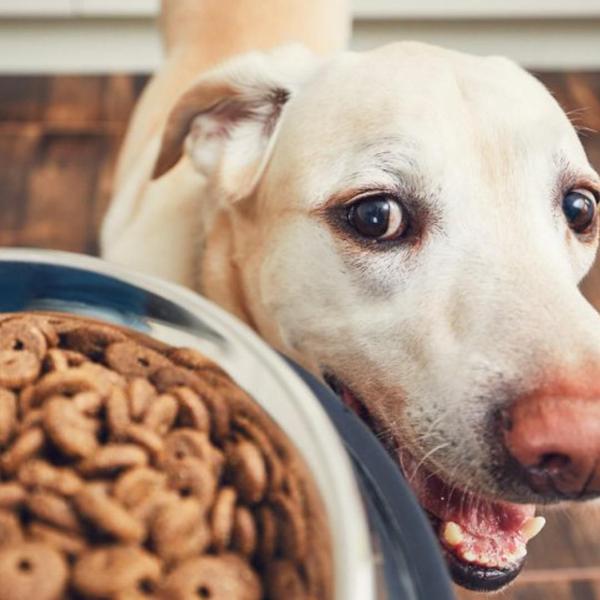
<point x="426" y="457"/>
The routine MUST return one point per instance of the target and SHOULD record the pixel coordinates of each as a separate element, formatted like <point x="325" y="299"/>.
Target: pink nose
<point x="557" y="442"/>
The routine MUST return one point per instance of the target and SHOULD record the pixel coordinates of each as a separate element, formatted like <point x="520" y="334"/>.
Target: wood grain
<point x="59" y="138"/>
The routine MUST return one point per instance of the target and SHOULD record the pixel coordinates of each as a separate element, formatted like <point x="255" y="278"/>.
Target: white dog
<point x="410" y="224"/>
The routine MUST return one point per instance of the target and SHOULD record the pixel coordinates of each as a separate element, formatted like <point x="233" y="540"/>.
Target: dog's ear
<point x="227" y="120"/>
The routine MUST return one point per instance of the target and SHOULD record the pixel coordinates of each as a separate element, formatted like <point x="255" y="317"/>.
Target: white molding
<point x="363" y="9"/>
<point x="78" y="46"/>
<point x="545" y="45"/>
<point x="35" y="8"/>
<point x="475" y="9"/>
<point x="116" y="8"/>
<point x="132" y="45"/>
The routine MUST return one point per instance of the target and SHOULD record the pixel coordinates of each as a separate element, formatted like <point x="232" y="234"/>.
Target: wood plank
<point x="563" y="590"/>
<point x="119" y="94"/>
<point x="60" y="191"/>
<point x="69" y="103"/>
<point x="20" y="152"/>
<point x="74" y="99"/>
<point x="22" y="98"/>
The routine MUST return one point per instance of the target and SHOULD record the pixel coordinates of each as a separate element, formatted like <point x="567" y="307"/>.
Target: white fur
<point x="432" y="338"/>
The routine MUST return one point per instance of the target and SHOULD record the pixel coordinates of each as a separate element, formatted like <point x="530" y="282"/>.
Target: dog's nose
<point x="557" y="442"/>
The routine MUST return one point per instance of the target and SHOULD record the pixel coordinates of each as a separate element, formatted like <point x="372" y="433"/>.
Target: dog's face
<point x="412" y="224"/>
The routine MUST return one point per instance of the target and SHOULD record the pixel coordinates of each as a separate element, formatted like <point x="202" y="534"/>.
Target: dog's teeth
<point x="520" y="553"/>
<point x="532" y="527"/>
<point x="469" y="556"/>
<point x="453" y="533"/>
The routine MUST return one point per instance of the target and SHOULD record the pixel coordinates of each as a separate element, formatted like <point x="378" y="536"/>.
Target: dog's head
<point x="412" y="224"/>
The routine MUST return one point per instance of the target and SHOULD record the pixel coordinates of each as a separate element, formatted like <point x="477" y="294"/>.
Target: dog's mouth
<point x="484" y="540"/>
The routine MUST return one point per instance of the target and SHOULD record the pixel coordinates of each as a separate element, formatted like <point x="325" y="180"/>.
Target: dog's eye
<point x="378" y="217"/>
<point x="580" y="207"/>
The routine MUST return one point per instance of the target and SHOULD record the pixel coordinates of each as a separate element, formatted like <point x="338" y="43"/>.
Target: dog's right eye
<point x="378" y="217"/>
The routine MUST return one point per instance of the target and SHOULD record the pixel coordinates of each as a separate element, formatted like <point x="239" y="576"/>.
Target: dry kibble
<point x="130" y="470"/>
<point x="247" y="470"/>
<point x="105" y="378"/>
<point x="284" y="581"/>
<point x="192" y="411"/>
<point x="292" y="528"/>
<point x="21" y="334"/>
<point x="292" y="487"/>
<point x="244" y="535"/>
<point x="66" y="542"/>
<point x="12" y="494"/>
<point x="32" y="570"/>
<point x="141" y="394"/>
<point x="71" y="431"/>
<point x="24" y="447"/>
<point x="219" y="409"/>
<point x="129" y="358"/>
<point x="26" y="398"/>
<point x="147" y="509"/>
<point x="191" y="476"/>
<point x="68" y="383"/>
<point x="273" y="462"/>
<point x="33" y="418"/>
<point x="45" y="326"/>
<point x="108" y="515"/>
<point x="224" y="577"/>
<point x="104" y="572"/>
<point x="267" y="533"/>
<point x="169" y="377"/>
<point x="56" y="360"/>
<point x="61" y="360"/>
<point x="143" y="491"/>
<point x="135" y="485"/>
<point x="10" y="529"/>
<point x="222" y="517"/>
<point x="188" y="442"/>
<point x="179" y="530"/>
<point x="8" y="416"/>
<point x="18" y="368"/>
<point x="118" y="417"/>
<point x="91" y="340"/>
<point x="145" y="438"/>
<point x="161" y="414"/>
<point x="53" y="510"/>
<point x="112" y="458"/>
<point x="88" y="403"/>
<point x="39" y="474"/>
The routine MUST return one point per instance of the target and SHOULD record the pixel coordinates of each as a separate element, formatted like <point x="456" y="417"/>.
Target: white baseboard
<point x="91" y="44"/>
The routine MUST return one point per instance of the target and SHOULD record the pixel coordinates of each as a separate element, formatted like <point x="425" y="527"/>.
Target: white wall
<point x="109" y="35"/>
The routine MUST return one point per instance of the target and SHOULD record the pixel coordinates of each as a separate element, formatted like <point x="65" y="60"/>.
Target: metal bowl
<point x="382" y="544"/>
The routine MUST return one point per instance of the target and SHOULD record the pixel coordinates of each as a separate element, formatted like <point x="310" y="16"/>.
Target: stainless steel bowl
<point x="375" y="554"/>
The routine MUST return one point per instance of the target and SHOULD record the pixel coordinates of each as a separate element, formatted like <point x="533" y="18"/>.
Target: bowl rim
<point x="354" y="561"/>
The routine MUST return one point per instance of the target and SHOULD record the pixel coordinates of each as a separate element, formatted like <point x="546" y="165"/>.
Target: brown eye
<point x="377" y="217"/>
<point x="580" y="207"/>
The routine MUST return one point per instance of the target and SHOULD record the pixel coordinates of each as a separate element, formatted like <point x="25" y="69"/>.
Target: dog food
<point x="133" y="470"/>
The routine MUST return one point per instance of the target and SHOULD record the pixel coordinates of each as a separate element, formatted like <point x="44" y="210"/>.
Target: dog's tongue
<point x="474" y="529"/>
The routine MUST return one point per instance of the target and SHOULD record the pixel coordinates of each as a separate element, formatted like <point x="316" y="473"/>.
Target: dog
<point x="410" y="224"/>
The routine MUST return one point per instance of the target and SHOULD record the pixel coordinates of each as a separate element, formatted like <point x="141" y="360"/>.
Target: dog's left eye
<point x="377" y="217"/>
<point x="580" y="207"/>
